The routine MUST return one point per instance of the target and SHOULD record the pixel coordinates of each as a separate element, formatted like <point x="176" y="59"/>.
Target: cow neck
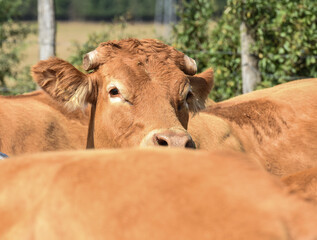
<point x="91" y="128"/>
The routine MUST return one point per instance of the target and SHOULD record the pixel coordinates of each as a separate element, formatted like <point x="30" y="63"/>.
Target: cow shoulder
<point x="303" y="184"/>
<point x="263" y="116"/>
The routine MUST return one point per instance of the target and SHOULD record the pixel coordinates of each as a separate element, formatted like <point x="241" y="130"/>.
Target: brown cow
<point x="147" y="194"/>
<point x="303" y="183"/>
<point x="139" y="91"/>
<point x="277" y="126"/>
<point x="34" y="122"/>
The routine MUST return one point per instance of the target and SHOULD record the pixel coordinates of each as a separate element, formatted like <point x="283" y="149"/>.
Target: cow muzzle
<point x="168" y="138"/>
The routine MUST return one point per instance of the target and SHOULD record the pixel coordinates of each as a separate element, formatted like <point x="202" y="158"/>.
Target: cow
<point x="276" y="126"/>
<point x="141" y="92"/>
<point x="34" y="122"/>
<point x="303" y="183"/>
<point x="149" y="72"/>
<point x="149" y="193"/>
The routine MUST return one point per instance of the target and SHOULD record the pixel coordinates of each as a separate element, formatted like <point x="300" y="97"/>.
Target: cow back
<point x="147" y="194"/>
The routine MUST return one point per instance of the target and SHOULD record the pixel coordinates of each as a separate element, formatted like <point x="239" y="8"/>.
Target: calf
<point x="147" y="194"/>
<point x="276" y="126"/>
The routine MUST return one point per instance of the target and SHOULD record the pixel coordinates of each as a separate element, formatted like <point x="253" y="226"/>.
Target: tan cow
<point x="141" y="92"/>
<point x="156" y="94"/>
<point x="147" y="194"/>
<point x="34" y="122"/>
<point x="303" y="183"/>
<point x="277" y="126"/>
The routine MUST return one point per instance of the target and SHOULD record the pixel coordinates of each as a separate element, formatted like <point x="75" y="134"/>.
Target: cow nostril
<point x="171" y="138"/>
<point x="190" y="144"/>
<point x="161" y="142"/>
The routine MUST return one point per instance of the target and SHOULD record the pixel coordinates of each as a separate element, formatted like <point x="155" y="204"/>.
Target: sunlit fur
<point x="139" y="194"/>
<point x="78" y="99"/>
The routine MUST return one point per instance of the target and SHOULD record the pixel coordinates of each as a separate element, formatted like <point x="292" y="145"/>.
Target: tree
<point x="12" y="33"/>
<point x="285" y="42"/>
<point x="47" y="28"/>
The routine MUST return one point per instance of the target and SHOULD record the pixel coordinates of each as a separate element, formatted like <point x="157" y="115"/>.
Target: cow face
<point x="141" y="92"/>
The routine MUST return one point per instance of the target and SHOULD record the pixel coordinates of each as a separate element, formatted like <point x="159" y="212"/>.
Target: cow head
<point x="141" y="92"/>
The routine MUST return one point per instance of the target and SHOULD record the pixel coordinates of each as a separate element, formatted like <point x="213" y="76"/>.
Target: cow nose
<point x="171" y="138"/>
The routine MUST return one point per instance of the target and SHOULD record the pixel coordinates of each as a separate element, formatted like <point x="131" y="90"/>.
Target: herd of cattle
<point x="249" y="170"/>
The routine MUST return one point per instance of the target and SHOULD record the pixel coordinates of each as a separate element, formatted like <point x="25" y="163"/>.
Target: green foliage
<point x="285" y="34"/>
<point x="27" y="10"/>
<point x="191" y="32"/>
<point x="22" y="82"/>
<point x="81" y="49"/>
<point x="102" y="9"/>
<point x="62" y="9"/>
<point x="219" y="6"/>
<point x="94" y="9"/>
<point x="287" y="44"/>
<point x="224" y="58"/>
<point x="12" y="35"/>
<point x="108" y="9"/>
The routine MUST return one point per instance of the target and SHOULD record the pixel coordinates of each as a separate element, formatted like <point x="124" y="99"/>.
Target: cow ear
<point x="63" y="82"/>
<point x="201" y="85"/>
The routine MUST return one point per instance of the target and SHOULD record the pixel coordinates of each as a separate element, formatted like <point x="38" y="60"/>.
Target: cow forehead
<point x="134" y="74"/>
<point x="137" y="48"/>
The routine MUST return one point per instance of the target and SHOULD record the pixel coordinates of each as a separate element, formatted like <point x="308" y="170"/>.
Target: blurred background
<point x="269" y="42"/>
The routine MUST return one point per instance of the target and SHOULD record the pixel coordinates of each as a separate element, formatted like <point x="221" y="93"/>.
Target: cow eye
<point x="114" y="92"/>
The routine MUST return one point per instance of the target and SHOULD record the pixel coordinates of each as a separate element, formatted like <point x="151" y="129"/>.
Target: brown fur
<point x="262" y="114"/>
<point x="56" y="77"/>
<point x="143" y="50"/>
<point x="304" y="184"/>
<point x="34" y="122"/>
<point x="152" y="76"/>
<point x="147" y="194"/>
<point x="276" y="126"/>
